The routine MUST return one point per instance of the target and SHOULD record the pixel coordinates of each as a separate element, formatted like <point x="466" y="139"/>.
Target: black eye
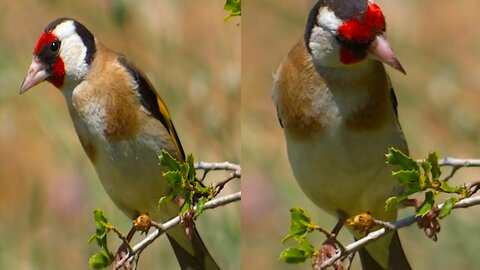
<point x="54" y="46"/>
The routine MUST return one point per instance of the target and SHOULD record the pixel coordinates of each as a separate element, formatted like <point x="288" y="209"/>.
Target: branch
<point x="456" y="164"/>
<point x="236" y="172"/>
<point x="162" y="228"/>
<point x="222" y="166"/>
<point x="355" y="246"/>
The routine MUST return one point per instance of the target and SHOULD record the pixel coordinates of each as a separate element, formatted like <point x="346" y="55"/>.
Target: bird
<point x="122" y="124"/>
<point x="336" y="104"/>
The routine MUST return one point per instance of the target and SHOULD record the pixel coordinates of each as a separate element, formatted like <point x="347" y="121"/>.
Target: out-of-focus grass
<point x="48" y="189"/>
<point x="439" y="47"/>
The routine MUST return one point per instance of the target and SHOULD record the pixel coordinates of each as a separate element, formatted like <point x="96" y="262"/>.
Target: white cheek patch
<point x="323" y="45"/>
<point x="72" y="51"/>
<point x="319" y="44"/>
<point x="327" y="19"/>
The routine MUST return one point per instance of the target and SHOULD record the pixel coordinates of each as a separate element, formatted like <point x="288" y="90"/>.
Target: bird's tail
<point x="397" y="259"/>
<point x="192" y="254"/>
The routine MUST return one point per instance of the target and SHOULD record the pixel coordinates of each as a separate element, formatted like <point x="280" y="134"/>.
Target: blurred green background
<point x="48" y="188"/>
<point x="438" y="44"/>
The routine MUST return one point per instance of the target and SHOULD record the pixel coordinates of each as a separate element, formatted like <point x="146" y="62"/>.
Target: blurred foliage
<point x="48" y="188"/>
<point x="119" y="12"/>
<point x="235" y="8"/>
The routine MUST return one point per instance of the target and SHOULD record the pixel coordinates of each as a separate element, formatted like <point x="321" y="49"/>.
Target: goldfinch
<point x="122" y="124"/>
<point x="339" y="116"/>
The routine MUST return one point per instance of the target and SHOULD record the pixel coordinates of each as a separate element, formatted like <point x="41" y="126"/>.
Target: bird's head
<point x="61" y="56"/>
<point x="342" y="33"/>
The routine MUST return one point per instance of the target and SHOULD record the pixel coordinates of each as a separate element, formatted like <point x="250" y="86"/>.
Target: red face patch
<point x="348" y="57"/>
<point x="58" y="73"/>
<point x="44" y="40"/>
<point x="53" y="63"/>
<point x="363" y="27"/>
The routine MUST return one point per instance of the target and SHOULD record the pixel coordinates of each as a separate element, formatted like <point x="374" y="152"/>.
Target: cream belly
<point x="132" y="177"/>
<point x="344" y="170"/>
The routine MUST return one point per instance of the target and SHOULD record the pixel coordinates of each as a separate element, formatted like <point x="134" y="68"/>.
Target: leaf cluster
<point x="104" y="257"/>
<point x="300" y="226"/>
<point x="184" y="185"/>
<point x="423" y="177"/>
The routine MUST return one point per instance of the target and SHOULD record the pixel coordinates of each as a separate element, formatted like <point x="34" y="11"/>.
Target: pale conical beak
<point x="37" y="73"/>
<point x="380" y="50"/>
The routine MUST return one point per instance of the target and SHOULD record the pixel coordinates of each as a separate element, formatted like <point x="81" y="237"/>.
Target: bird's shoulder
<point x="126" y="99"/>
<point x="298" y="92"/>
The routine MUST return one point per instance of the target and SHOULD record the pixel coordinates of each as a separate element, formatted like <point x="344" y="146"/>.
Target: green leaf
<point x="185" y="170"/>
<point x="101" y="260"/>
<point x="191" y="162"/>
<point x="409" y="179"/>
<point x="307" y="247"/>
<point x="165" y="200"/>
<point x="433" y="160"/>
<point x="447" y="207"/>
<point x="300" y="224"/>
<point x="202" y="189"/>
<point x="398" y="158"/>
<point x="232" y="5"/>
<point x="427" y="204"/>
<point x="393" y="201"/>
<point x="174" y="179"/>
<point x="101" y="220"/>
<point x="293" y="255"/>
<point x="445" y="187"/>
<point x="427" y="167"/>
<point x="168" y="162"/>
<point x="235" y="8"/>
<point x="298" y="254"/>
<point x="200" y="204"/>
<point x="103" y="227"/>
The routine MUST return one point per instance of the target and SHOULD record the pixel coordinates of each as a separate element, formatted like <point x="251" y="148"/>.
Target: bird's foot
<point x="141" y="223"/>
<point x="122" y="252"/>
<point x="329" y="249"/>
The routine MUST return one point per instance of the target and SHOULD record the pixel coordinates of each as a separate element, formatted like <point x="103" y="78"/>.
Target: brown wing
<point x="153" y="102"/>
